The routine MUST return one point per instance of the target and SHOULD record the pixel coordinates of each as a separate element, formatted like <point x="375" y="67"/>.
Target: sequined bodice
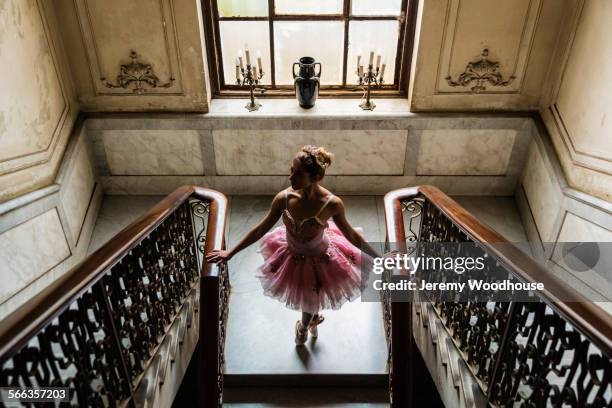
<point x="306" y="236"/>
<point x="305" y="230"/>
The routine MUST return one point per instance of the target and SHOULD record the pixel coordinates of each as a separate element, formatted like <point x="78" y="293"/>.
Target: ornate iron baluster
<point x="149" y="284"/>
<point x="75" y="350"/>
<point x="547" y="362"/>
<point x="200" y="211"/>
<point x="101" y="345"/>
<point x="475" y="327"/>
<point x="522" y="354"/>
<point x="224" y="293"/>
<point x="412" y="219"/>
<point x="413" y="210"/>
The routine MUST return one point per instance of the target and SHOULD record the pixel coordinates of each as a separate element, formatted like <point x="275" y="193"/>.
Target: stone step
<point x="306" y="380"/>
<point x="305" y="396"/>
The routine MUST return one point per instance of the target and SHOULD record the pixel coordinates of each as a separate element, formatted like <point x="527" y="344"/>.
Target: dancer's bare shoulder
<point x="278" y="202"/>
<point x="336" y="204"/>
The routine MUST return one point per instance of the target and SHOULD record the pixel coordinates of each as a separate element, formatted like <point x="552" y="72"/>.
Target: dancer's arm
<point x="348" y="231"/>
<point x="258" y="231"/>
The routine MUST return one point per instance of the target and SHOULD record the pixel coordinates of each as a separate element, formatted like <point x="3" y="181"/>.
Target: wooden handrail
<point x="215" y="230"/>
<point x="591" y="320"/>
<point x="17" y="328"/>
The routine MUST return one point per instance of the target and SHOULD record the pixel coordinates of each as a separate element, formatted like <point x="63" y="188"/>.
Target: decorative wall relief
<point x="138" y="74"/>
<point x="481" y="71"/>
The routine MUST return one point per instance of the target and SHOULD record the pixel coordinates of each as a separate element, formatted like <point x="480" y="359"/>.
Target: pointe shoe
<point x="312" y="327"/>
<point x="301" y="334"/>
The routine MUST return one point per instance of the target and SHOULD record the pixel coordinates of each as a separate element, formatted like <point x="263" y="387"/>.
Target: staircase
<point x="455" y="381"/>
<point x="158" y="329"/>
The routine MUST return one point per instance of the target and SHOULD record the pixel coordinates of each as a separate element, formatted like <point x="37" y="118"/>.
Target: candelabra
<point x="372" y="76"/>
<point x="250" y="77"/>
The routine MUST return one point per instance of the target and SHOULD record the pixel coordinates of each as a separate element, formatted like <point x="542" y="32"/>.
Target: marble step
<point x="300" y="396"/>
<point x="306" y="380"/>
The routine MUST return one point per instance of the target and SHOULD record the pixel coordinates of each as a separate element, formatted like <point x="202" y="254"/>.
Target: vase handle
<point x="319" y="74"/>
<point x="293" y="69"/>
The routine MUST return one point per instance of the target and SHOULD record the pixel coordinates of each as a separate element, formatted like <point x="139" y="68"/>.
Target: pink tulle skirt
<point x="310" y="283"/>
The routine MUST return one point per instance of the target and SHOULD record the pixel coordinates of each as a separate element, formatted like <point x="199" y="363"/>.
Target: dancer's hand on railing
<point x="218" y="255"/>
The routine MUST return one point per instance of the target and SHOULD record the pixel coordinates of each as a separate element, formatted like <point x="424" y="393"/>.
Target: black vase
<point x="306" y="82"/>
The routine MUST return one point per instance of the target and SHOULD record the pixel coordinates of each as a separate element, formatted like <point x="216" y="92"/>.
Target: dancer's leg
<point x="306" y="319"/>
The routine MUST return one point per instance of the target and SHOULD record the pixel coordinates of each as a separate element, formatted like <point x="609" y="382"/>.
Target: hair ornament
<point x="320" y="162"/>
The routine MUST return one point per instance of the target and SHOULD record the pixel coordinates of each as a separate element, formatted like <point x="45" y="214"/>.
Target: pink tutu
<point x="309" y="266"/>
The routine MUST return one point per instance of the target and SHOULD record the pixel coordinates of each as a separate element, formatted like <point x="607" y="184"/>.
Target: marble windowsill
<point x="334" y="108"/>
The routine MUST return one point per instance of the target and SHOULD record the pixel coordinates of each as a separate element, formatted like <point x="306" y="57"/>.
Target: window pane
<point x="242" y="8"/>
<point x="233" y="35"/>
<point x="322" y="40"/>
<point x="376" y="7"/>
<point x="380" y="36"/>
<point x="308" y="7"/>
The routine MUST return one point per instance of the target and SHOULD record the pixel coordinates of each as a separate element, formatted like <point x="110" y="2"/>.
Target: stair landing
<point x="351" y="347"/>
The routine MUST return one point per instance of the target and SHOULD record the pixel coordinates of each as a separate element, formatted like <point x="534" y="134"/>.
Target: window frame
<point x="405" y="49"/>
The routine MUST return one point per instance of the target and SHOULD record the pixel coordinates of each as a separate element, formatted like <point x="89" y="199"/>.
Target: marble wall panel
<point x="43" y="234"/>
<point x="77" y="190"/>
<point x="153" y="152"/>
<point x="465" y="151"/>
<point x="29" y="250"/>
<point x="554" y="213"/>
<point x="244" y="154"/>
<point x="576" y="229"/>
<point x="269" y="152"/>
<point x="542" y="193"/>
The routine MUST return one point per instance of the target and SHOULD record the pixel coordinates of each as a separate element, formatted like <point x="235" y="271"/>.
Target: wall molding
<point x="44" y="155"/>
<point x="558" y="128"/>
<point x="589" y="161"/>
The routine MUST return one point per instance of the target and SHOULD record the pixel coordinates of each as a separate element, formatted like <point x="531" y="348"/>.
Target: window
<point x="334" y="32"/>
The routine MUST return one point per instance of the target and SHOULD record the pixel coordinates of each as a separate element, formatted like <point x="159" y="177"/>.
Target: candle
<point x="254" y="72"/>
<point x="237" y="70"/>
<point x="259" y="61"/>
<point x="358" y="61"/>
<point x="382" y="70"/>
<point x="371" y="57"/>
<point x="378" y="61"/>
<point x="361" y="70"/>
<point x="248" y="55"/>
<point x="241" y="64"/>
